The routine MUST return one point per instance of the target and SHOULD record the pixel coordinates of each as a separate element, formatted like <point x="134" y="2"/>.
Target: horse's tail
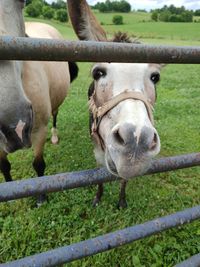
<point x="73" y="70"/>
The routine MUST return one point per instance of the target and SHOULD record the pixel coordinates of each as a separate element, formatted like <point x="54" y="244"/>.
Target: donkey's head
<point x="121" y="99"/>
<point x="15" y="108"/>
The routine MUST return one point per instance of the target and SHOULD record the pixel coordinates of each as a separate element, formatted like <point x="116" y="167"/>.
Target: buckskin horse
<point x="42" y="87"/>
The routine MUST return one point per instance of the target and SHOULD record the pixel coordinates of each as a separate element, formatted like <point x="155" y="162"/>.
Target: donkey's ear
<point x="84" y="22"/>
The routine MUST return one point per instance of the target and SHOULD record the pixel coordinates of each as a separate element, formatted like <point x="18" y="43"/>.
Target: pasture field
<point x="140" y="25"/>
<point x="68" y="217"/>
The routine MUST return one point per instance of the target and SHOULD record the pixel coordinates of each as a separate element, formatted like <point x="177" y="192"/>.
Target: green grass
<point x="69" y="217"/>
<point x="139" y="25"/>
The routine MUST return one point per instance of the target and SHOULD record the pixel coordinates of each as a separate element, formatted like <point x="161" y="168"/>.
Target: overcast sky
<point x="152" y="4"/>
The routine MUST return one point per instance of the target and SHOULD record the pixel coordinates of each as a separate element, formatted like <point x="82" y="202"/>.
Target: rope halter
<point x="99" y="112"/>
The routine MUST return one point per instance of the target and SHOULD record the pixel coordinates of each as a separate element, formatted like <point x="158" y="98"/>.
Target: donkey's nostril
<point x="123" y="134"/>
<point x="118" y="138"/>
<point x="154" y="142"/>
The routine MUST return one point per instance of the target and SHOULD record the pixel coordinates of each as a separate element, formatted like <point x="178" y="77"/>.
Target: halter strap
<point x="99" y="112"/>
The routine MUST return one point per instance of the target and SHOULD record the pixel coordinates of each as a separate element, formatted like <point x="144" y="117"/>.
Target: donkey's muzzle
<point x="135" y="142"/>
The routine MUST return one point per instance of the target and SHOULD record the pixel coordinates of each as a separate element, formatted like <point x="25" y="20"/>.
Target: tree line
<point x="173" y="14"/>
<point x="55" y="10"/>
<point x="113" y="6"/>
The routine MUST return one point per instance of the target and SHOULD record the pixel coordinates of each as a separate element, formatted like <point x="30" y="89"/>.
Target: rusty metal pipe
<point x="21" y="48"/>
<point x="66" y="254"/>
<point x="26" y="188"/>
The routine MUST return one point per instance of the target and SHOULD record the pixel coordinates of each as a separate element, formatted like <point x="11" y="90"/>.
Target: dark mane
<point x="123" y="37"/>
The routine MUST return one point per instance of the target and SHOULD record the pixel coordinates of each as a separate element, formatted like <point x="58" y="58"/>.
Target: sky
<point x="152" y="4"/>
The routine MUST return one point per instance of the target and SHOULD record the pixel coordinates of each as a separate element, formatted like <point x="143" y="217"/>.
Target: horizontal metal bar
<point x="194" y="261"/>
<point x="62" y="181"/>
<point x="21" y="48"/>
<point x="106" y="242"/>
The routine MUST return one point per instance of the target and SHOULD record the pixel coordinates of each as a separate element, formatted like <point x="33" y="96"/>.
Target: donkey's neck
<point x="11" y="18"/>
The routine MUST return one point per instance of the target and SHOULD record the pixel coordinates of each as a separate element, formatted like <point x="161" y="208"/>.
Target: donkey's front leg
<point x="5" y="166"/>
<point x="122" y="195"/>
<point x="98" y="196"/>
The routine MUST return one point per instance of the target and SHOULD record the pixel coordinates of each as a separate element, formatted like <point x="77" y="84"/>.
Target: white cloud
<point x="152" y="4"/>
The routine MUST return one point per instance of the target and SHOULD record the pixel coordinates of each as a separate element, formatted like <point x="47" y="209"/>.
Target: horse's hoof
<point x="41" y="200"/>
<point x="54" y="140"/>
<point x="122" y="204"/>
<point x="95" y="202"/>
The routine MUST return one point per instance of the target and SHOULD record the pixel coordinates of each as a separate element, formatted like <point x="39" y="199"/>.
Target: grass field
<point x="139" y="25"/>
<point x="69" y="217"/>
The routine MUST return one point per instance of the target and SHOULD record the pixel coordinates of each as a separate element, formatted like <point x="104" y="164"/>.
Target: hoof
<point x="122" y="204"/>
<point x="54" y="140"/>
<point x="41" y="200"/>
<point x="95" y="202"/>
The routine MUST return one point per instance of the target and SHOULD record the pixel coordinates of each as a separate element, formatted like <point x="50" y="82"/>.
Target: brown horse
<point x="46" y="85"/>
<point x="121" y="97"/>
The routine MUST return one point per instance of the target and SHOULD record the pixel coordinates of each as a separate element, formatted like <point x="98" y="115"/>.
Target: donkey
<point x="45" y="84"/>
<point x="121" y="98"/>
<point x="16" y="115"/>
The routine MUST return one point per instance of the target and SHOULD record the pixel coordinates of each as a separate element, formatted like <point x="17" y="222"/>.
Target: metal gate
<point x="14" y="48"/>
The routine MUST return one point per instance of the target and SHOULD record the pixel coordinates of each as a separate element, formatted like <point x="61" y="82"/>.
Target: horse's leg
<point x="98" y="196"/>
<point x="38" y="162"/>
<point x="54" y="131"/>
<point x="122" y="195"/>
<point x="5" y="166"/>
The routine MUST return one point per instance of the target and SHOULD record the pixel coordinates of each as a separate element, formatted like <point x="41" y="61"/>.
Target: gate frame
<point x="19" y="48"/>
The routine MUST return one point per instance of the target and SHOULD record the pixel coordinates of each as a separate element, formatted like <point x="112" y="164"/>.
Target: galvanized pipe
<point x="21" y="48"/>
<point x="106" y="242"/>
<point x="62" y="181"/>
<point x="194" y="261"/>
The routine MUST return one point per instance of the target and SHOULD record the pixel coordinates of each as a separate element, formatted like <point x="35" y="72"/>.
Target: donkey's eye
<point x="155" y="77"/>
<point x="98" y="73"/>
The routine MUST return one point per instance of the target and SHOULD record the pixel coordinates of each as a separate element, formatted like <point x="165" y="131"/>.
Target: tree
<point x="124" y="6"/>
<point x="142" y="10"/>
<point x="59" y="4"/>
<point x="61" y="15"/>
<point x="197" y="12"/>
<point x="117" y="20"/>
<point x="28" y="2"/>
<point x="35" y="8"/>
<point x="103" y="8"/>
<point x="164" y="15"/>
<point x="48" y="12"/>
<point x="108" y="5"/>
<point x="187" y="16"/>
<point x="173" y="14"/>
<point x="175" y="18"/>
<point x="113" y="6"/>
<point x="154" y="16"/>
<point x="172" y="9"/>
